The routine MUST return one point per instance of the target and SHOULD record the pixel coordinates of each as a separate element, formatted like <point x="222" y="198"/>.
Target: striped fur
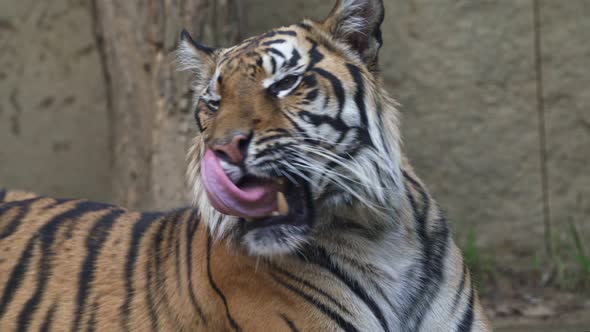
<point x="15" y="195"/>
<point x="377" y="256"/>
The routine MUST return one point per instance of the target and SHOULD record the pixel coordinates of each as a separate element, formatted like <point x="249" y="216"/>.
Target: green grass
<point x="571" y="260"/>
<point x="567" y="269"/>
<point x="482" y="265"/>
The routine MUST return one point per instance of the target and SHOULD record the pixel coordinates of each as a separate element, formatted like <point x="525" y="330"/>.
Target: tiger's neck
<point x="403" y="259"/>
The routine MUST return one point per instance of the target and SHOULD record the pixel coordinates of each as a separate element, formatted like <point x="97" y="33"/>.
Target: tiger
<point x="306" y="214"/>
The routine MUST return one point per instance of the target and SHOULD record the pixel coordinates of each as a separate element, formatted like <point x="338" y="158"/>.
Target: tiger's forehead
<point x="275" y="53"/>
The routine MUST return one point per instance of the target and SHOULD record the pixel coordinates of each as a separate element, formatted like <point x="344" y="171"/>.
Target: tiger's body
<point x="363" y="246"/>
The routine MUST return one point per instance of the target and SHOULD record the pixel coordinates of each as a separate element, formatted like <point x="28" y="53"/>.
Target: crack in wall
<point x="548" y="230"/>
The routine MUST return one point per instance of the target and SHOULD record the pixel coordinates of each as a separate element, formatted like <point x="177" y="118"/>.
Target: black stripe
<point x="336" y="123"/>
<point x="345" y="325"/>
<point x="191" y="228"/>
<point x="467" y="320"/>
<point x="17" y="276"/>
<point x="186" y="36"/>
<point x="304" y="26"/>
<point x="273" y="148"/>
<point x="2" y="194"/>
<point x="336" y="85"/>
<point x="139" y="228"/>
<point x="320" y="119"/>
<point x="46" y="236"/>
<point x="164" y="254"/>
<point x="94" y="242"/>
<point x="311" y="286"/>
<point x="151" y="263"/>
<point x="271" y="42"/>
<point x="270" y="138"/>
<point x="315" y="56"/>
<point x="296" y="126"/>
<point x="310" y="81"/>
<point x="232" y="322"/>
<point x="45" y="327"/>
<point x="286" y="33"/>
<point x="289" y="323"/>
<point x="320" y="257"/>
<point x="295" y="57"/>
<point x="459" y="290"/>
<point x="197" y="119"/>
<point x="359" y="99"/>
<point x="276" y="52"/>
<point x="273" y="33"/>
<point x="13" y="225"/>
<point x="177" y="254"/>
<point x="273" y="63"/>
<point x="59" y="201"/>
<point x="93" y="316"/>
<point x="435" y="244"/>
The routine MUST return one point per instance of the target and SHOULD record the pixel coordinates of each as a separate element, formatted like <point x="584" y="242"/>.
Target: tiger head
<point x="297" y="138"/>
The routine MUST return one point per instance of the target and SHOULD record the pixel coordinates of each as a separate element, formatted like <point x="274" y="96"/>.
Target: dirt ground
<point x="517" y="302"/>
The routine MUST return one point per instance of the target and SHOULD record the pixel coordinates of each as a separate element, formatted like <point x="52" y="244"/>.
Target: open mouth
<point x="257" y="202"/>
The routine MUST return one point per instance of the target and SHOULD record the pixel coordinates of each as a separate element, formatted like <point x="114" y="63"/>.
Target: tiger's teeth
<point x="282" y="204"/>
<point x="275" y="214"/>
<point x="281" y="182"/>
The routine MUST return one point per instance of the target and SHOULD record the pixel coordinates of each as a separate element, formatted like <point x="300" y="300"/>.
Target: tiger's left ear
<point x="358" y="23"/>
<point x="195" y="57"/>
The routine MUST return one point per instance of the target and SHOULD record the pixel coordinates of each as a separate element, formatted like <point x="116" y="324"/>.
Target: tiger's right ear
<point x="358" y="24"/>
<point x="195" y="57"/>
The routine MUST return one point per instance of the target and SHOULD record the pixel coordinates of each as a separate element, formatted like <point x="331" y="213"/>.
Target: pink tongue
<point x="253" y="200"/>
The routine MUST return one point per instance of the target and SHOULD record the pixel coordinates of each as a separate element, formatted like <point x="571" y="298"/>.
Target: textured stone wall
<point x="53" y="115"/>
<point x="565" y="55"/>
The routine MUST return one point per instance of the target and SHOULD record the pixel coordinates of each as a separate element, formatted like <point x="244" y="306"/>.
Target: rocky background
<point x="496" y="117"/>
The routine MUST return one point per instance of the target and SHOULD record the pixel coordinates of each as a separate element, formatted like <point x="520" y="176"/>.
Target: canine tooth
<point x="281" y="181"/>
<point x="282" y="204"/>
<point x="275" y="213"/>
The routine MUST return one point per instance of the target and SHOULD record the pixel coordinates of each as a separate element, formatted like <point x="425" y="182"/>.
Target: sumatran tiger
<point x="307" y="215"/>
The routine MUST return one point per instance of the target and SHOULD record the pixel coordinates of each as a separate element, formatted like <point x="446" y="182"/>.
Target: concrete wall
<point x="53" y="116"/>
<point x="564" y="31"/>
<point x="497" y="124"/>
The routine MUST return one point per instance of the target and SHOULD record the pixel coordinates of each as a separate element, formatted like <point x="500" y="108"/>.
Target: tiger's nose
<point x="235" y="151"/>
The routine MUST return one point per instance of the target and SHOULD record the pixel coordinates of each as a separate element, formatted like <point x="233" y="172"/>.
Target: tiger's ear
<point x="358" y="23"/>
<point x="195" y="57"/>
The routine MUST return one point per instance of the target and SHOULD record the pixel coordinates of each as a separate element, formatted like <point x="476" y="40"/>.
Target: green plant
<point x="571" y="262"/>
<point x="482" y="266"/>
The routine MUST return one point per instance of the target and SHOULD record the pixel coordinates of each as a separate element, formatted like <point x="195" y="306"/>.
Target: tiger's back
<point x="73" y="265"/>
<point x="57" y="256"/>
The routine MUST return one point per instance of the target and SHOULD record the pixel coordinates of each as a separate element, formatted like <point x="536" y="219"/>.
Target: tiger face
<point x="291" y="130"/>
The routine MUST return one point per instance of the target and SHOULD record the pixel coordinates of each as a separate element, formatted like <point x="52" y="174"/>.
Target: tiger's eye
<point x="285" y="84"/>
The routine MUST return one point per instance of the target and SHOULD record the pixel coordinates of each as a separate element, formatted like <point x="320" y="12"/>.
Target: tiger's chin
<point x="281" y="234"/>
<point x="272" y="235"/>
